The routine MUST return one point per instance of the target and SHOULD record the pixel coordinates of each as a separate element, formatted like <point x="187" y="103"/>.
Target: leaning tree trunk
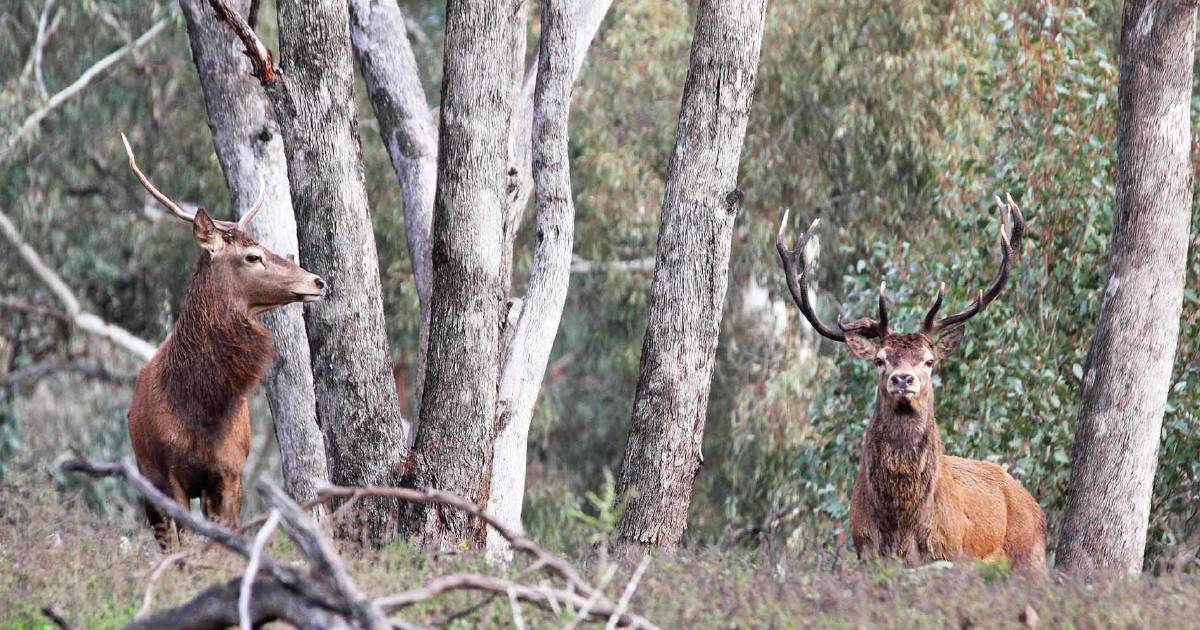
<point x="691" y="272"/>
<point x="1129" y="362"/>
<point x="406" y="125"/>
<point x="453" y="449"/>
<point x="314" y="104"/>
<point x="249" y="146"/>
<point x="526" y="354"/>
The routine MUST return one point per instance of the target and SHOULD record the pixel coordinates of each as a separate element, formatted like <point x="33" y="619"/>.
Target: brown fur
<point x="913" y="501"/>
<point x="189" y="424"/>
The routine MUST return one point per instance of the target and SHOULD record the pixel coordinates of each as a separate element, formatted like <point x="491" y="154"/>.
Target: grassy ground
<point x="92" y="567"/>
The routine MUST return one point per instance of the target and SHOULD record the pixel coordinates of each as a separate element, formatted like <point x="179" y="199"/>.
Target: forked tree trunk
<point x="1128" y="372"/>
<point x="691" y="272"/>
<point x="377" y="30"/>
<point x="248" y="145"/>
<point x="356" y="394"/>
<point x="406" y="125"/>
<point x="526" y="355"/>
<point x="453" y="449"/>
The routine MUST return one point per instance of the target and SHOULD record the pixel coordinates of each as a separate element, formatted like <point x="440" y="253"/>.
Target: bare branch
<point x="55" y="618"/>
<point x="260" y="540"/>
<point x="33" y="373"/>
<point x="216" y="607"/>
<point x="582" y="265"/>
<point x="627" y="594"/>
<point x="89" y="75"/>
<point x="83" y="320"/>
<point x="322" y="557"/>
<point x="542" y="596"/>
<point x="233" y="541"/>
<point x="260" y="56"/>
<point x="39" y="45"/>
<point x="159" y="569"/>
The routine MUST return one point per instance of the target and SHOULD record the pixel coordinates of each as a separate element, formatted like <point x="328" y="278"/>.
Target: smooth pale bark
<point x="248" y="146"/>
<point x="406" y="126"/>
<point x="453" y="449"/>
<point x="691" y="273"/>
<point x="1128" y="371"/>
<point x="589" y="15"/>
<point x="528" y="352"/>
<point x="516" y="71"/>
<point x="356" y="395"/>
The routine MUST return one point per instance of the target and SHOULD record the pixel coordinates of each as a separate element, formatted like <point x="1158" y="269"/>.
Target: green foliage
<point x="607" y="508"/>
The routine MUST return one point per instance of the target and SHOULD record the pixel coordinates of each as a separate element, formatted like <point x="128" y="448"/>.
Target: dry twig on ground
<point x="327" y="597"/>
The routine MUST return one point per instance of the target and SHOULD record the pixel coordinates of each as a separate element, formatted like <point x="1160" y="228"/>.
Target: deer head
<point x="249" y="277"/>
<point x="905" y="361"/>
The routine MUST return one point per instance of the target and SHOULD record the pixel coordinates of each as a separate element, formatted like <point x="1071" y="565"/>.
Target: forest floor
<point x="93" y="570"/>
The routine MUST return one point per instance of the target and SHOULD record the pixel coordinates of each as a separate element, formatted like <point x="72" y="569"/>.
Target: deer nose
<point x="320" y="283"/>
<point x="902" y="380"/>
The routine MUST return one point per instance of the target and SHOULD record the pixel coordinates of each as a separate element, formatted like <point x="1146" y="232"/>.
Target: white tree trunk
<point x="406" y="126"/>
<point x="248" y="146"/>
<point x="1128" y="373"/>
<point x="527" y="353"/>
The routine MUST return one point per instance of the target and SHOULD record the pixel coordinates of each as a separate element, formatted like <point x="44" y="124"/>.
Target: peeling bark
<point x="1128" y="371"/>
<point x="528" y="352"/>
<point x="691" y="273"/>
<point x="248" y="145"/>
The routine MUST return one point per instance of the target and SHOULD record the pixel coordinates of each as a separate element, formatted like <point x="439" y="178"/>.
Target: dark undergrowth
<point x="92" y="568"/>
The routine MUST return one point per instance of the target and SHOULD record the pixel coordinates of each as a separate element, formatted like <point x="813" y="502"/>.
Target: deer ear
<point x="948" y="342"/>
<point x="861" y="347"/>
<point x="207" y="236"/>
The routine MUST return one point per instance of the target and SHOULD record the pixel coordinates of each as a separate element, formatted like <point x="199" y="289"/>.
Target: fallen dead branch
<point x="327" y="596"/>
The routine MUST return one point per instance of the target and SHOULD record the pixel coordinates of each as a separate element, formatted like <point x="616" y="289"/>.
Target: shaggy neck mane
<point x="903" y="453"/>
<point x="216" y="355"/>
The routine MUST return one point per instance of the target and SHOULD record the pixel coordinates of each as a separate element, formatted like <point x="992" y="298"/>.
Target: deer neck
<point x="902" y="453"/>
<point x="217" y="353"/>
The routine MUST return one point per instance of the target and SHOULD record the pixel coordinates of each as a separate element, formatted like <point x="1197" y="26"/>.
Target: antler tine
<point x="1009" y="237"/>
<point x="883" y="316"/>
<point x="930" y="316"/>
<point x="258" y="202"/>
<point x="796" y="272"/>
<point x="163" y="199"/>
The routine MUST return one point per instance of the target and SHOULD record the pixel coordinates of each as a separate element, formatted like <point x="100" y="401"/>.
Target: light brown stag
<point x="189" y="423"/>
<point x="910" y="499"/>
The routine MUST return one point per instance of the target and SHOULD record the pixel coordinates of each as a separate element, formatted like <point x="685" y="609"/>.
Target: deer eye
<point x="878" y="362"/>
<point x="253" y="258"/>
<point x="929" y="363"/>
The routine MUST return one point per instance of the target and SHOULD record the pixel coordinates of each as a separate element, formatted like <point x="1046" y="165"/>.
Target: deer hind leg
<point x="222" y="501"/>
<point x="166" y="530"/>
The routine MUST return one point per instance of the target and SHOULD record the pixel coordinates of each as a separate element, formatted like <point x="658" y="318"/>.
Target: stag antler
<point x="179" y="212"/>
<point x="795" y="268"/>
<point x="1010" y="237"/>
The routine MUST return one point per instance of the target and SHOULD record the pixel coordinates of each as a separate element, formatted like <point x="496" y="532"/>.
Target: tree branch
<point x="75" y="88"/>
<point x="83" y="320"/>
<point x="330" y="599"/>
<point x="260" y="56"/>
<point x="206" y="528"/>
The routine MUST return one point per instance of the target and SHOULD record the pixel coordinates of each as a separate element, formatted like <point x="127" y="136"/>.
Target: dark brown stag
<point x="189" y="424"/>
<point x="910" y="499"/>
